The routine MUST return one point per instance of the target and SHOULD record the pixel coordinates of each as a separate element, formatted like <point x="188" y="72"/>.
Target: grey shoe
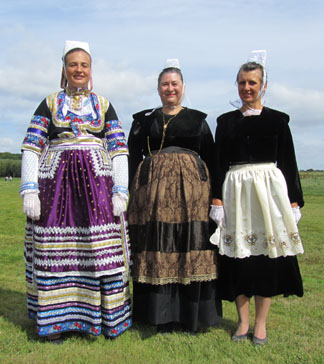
<point x="237" y="338"/>
<point x="257" y="341"/>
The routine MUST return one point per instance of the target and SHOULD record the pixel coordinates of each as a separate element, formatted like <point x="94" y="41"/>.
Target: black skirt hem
<point x="195" y="306"/>
<point x="259" y="276"/>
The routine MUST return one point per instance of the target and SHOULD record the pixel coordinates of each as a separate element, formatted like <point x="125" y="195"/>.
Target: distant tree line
<point x="311" y="170"/>
<point x="10" y="164"/>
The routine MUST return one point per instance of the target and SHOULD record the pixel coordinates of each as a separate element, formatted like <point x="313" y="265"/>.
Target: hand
<point x="119" y="204"/>
<point x="217" y="214"/>
<point x="31" y="205"/>
<point x="297" y="213"/>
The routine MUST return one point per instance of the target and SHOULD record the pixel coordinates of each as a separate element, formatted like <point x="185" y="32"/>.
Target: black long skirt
<point x="259" y="276"/>
<point x="174" y="264"/>
<point x="194" y="306"/>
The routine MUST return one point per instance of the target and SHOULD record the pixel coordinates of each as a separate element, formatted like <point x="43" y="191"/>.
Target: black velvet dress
<point x="174" y="264"/>
<point x="254" y="140"/>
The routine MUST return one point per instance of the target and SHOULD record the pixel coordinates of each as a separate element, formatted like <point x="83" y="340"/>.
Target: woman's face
<point x="78" y="69"/>
<point x="249" y="86"/>
<point x="171" y="89"/>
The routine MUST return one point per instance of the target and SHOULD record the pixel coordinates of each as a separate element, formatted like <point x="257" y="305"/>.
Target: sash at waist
<point x="81" y="141"/>
<point x="173" y="149"/>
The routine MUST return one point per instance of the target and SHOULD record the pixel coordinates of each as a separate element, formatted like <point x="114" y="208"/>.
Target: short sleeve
<point x="36" y="137"/>
<point x="116" y="140"/>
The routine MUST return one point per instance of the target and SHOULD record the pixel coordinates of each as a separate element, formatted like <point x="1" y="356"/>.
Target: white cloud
<point x="306" y="106"/>
<point x="131" y="40"/>
<point x="8" y="145"/>
<point x="120" y="82"/>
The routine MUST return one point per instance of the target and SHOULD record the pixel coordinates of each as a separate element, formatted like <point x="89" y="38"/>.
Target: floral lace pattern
<point x="172" y="193"/>
<point x="169" y="201"/>
<point x="184" y="268"/>
<point x="235" y="244"/>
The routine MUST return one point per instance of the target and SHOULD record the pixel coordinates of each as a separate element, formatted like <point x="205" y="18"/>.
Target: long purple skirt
<point x="77" y="254"/>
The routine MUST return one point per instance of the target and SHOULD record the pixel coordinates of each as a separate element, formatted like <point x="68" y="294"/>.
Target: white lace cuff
<point x="29" y="172"/>
<point x="120" y="174"/>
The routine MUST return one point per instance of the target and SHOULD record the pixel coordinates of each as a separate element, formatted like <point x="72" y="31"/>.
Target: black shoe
<point x="165" y="328"/>
<point x="55" y="339"/>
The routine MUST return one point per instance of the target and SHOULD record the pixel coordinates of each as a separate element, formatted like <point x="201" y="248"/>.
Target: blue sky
<point x="130" y="41"/>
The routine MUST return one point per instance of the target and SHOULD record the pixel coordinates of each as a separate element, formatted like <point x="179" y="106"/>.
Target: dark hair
<point x="76" y="50"/>
<point x="170" y="70"/>
<point x="251" y="66"/>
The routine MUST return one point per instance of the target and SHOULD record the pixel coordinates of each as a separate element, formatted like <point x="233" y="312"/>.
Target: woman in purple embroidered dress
<point x="74" y="189"/>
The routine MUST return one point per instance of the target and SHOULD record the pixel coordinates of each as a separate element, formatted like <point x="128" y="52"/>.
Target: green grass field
<point x="295" y="325"/>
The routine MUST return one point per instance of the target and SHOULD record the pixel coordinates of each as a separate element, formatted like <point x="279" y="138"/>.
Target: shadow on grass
<point x="13" y="308"/>
<point x="146" y="331"/>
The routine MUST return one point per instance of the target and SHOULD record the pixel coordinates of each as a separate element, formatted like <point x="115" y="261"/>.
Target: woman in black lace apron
<point x="174" y="265"/>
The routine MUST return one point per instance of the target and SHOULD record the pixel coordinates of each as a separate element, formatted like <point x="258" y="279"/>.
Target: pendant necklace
<point x="165" y="126"/>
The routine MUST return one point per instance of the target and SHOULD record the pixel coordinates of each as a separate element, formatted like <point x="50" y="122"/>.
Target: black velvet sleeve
<point x="207" y="147"/>
<point x="220" y="158"/>
<point x="135" y="148"/>
<point x="111" y="113"/>
<point x="43" y="110"/>
<point x="286" y="162"/>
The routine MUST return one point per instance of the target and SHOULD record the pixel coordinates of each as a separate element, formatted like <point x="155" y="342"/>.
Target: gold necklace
<point x="76" y="97"/>
<point x="165" y="125"/>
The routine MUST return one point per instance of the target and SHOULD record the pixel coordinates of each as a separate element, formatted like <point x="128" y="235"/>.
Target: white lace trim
<point x="49" y="164"/>
<point x="77" y="230"/>
<point x="101" y="161"/>
<point x="86" y="108"/>
<point x="78" y="262"/>
<point x="91" y="253"/>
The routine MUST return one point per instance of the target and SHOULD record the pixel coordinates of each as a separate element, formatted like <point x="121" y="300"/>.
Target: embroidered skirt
<point x="77" y="254"/>
<point x="169" y="232"/>
<point x="259" y="243"/>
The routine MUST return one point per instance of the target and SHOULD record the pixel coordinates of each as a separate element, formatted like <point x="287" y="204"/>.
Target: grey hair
<point x="251" y="66"/>
<point x="170" y="70"/>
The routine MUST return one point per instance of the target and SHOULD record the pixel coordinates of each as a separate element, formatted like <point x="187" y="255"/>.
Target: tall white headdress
<point x="172" y="63"/>
<point x="74" y="44"/>
<point x="260" y="57"/>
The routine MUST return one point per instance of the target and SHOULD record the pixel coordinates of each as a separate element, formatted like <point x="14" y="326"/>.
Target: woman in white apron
<point x="257" y="197"/>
